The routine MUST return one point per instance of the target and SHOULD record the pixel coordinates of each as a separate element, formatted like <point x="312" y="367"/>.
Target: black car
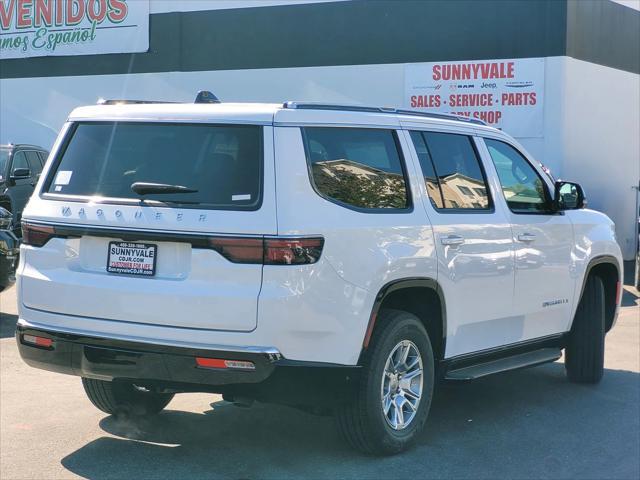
<point x="9" y="250"/>
<point x="20" y="167"/>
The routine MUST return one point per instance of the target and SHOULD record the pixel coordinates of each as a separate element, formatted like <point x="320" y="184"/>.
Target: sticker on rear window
<point x="238" y="198"/>
<point x="63" y="177"/>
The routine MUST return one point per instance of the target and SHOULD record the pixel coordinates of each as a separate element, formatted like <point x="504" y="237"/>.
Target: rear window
<point x="223" y="164"/>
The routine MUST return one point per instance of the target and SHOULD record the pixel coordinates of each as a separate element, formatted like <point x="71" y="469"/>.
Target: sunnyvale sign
<point x="34" y="28"/>
<point x="505" y="93"/>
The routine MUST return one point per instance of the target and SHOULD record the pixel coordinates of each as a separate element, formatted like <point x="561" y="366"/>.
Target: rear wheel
<point x="584" y="354"/>
<point x="124" y="397"/>
<point x="396" y="386"/>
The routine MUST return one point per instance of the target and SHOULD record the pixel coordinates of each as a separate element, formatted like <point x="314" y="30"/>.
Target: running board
<point x="522" y="360"/>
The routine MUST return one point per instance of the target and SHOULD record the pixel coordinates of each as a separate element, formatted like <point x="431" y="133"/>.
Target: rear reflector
<point x="36" y="235"/>
<point x="618" y="292"/>
<point x="222" y="363"/>
<point x="38" y="341"/>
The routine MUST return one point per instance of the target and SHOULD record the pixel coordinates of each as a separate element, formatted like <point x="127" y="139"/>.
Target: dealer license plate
<point x="132" y="258"/>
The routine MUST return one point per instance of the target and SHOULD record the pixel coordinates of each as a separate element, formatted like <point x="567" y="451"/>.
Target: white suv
<point x="327" y="257"/>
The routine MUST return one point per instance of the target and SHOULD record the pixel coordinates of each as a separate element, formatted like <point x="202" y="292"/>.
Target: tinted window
<point x="223" y="163"/>
<point x="523" y="188"/>
<point x="452" y="171"/>
<point x="19" y="161"/>
<point x="34" y="162"/>
<point x="430" y="178"/>
<point x="356" y="166"/>
<point x="4" y="156"/>
<point x="43" y="157"/>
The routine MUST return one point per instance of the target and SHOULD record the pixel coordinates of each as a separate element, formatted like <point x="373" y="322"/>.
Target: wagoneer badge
<point x="100" y="213"/>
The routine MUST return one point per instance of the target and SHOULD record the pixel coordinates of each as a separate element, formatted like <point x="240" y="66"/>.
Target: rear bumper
<point x="109" y="359"/>
<point x="174" y="368"/>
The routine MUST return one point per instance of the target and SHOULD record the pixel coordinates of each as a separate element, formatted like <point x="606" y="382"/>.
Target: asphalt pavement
<point x="526" y="424"/>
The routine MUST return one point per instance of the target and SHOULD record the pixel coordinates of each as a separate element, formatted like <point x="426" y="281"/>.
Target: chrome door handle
<point x="452" y="240"/>
<point x="526" y="237"/>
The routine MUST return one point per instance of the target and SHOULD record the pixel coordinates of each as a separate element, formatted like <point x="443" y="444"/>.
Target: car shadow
<point x="7" y="324"/>
<point x="629" y="299"/>
<point x="527" y="424"/>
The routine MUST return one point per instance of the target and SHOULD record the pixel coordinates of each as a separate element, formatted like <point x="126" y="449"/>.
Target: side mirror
<point x="20" y="173"/>
<point x="568" y="196"/>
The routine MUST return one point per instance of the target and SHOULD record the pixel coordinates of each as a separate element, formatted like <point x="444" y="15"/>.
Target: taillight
<point x="239" y="250"/>
<point x="36" y="235"/>
<point x="269" y="251"/>
<point x="292" y="251"/>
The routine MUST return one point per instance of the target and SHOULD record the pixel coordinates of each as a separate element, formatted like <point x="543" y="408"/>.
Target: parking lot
<point x="527" y="424"/>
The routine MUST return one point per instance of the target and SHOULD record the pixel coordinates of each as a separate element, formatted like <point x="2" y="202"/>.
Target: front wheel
<point x="124" y="397"/>
<point x="396" y="387"/>
<point x="584" y="354"/>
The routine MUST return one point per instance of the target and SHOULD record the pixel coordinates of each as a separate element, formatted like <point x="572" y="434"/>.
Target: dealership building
<point x="561" y="76"/>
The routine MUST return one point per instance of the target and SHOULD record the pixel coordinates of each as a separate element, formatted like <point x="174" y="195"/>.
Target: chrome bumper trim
<point x="272" y="352"/>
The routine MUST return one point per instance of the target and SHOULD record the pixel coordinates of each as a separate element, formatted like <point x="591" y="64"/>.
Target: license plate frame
<point x="134" y="260"/>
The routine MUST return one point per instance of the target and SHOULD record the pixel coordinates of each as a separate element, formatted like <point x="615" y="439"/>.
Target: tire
<point x="584" y="354"/>
<point x="363" y="422"/>
<point x="123" y="398"/>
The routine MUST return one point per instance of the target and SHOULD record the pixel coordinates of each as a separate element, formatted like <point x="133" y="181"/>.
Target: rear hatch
<point x="153" y="222"/>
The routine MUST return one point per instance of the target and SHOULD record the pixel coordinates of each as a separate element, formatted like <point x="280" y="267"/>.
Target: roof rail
<point x="102" y="101"/>
<point x="203" y="96"/>
<point x="364" y="108"/>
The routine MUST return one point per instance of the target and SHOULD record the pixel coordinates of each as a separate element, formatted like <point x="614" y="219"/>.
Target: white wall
<point x="33" y="109"/>
<point x="602" y="142"/>
<point x="591" y="113"/>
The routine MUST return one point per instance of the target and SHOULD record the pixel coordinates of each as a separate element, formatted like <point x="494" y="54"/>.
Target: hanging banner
<point x="507" y="94"/>
<point x="38" y="28"/>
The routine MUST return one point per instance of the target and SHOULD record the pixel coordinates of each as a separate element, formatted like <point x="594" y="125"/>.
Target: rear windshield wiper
<point x="143" y="188"/>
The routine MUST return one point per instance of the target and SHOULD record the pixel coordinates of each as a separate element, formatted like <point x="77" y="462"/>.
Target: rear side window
<point x="4" y="158"/>
<point x="430" y="177"/>
<point x="223" y="164"/>
<point x="452" y="170"/>
<point x="43" y="157"/>
<point x="357" y="167"/>
<point x="34" y="162"/>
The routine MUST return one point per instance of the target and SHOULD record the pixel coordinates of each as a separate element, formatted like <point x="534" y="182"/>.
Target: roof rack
<point x="102" y="101"/>
<point x="364" y="108"/>
<point x="204" y="96"/>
